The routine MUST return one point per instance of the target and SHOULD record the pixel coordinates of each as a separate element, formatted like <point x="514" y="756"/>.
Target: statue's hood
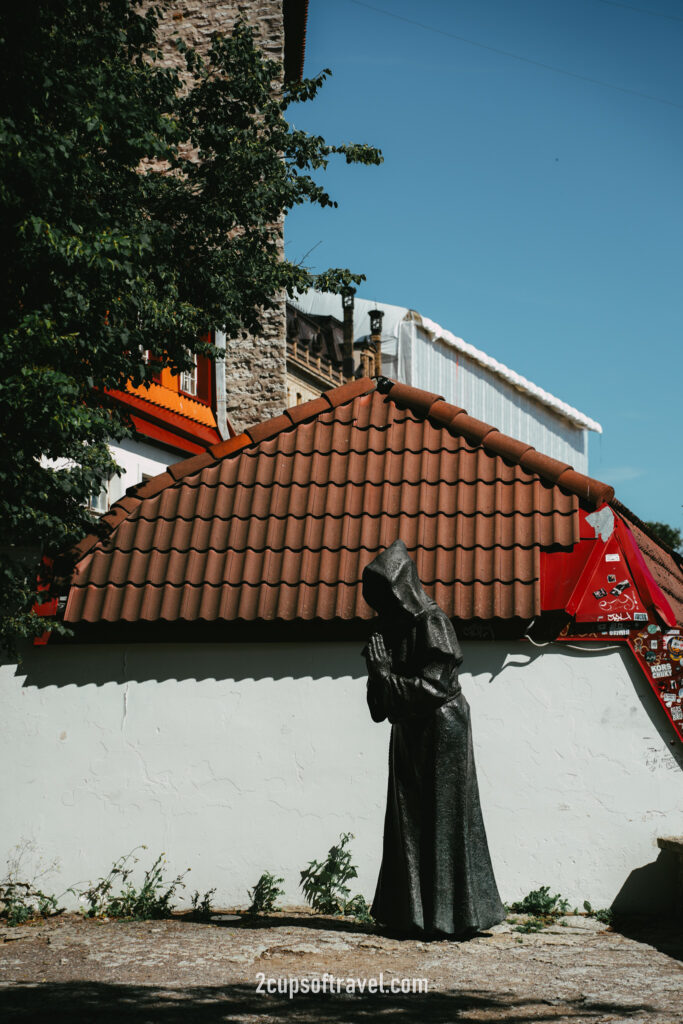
<point x="391" y="582"/>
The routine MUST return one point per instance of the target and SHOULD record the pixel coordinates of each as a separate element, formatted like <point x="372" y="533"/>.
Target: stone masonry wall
<point x="255" y="368"/>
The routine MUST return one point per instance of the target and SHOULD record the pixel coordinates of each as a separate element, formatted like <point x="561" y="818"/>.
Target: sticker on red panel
<point x="663" y="666"/>
<point x="674" y="646"/>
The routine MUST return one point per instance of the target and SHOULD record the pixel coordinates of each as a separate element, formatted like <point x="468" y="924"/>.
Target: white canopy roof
<point x="327" y="304"/>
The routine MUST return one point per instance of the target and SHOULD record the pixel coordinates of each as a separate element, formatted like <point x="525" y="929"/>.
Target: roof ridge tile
<point x="269" y="428"/>
<point x="443" y="413"/>
<point x="415" y="399"/>
<point x="469" y="426"/>
<point x="507" y="447"/>
<point x="192" y="465"/>
<point x="536" y="462"/>
<point x="593" y="491"/>
<point x="307" y="410"/>
<point x="227" y="447"/>
<point x="347" y="392"/>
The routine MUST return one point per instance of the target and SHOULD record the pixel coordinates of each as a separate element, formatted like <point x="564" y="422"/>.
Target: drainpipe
<point x="376" y="317"/>
<point x="347" y="305"/>
<point x="221" y="389"/>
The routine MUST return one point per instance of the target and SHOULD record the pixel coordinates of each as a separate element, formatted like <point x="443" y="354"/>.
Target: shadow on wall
<point x="95" y="664"/>
<point x="99" y="664"/>
<point x="139" y="1004"/>
<point x="651" y="886"/>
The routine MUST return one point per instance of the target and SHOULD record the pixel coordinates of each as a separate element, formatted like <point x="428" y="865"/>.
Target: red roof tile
<point x="279" y="522"/>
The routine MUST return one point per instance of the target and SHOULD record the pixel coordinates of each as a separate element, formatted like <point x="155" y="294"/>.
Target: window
<point x="188" y="379"/>
<point x="99" y="503"/>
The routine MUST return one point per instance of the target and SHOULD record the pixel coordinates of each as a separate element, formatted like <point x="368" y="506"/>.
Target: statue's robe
<point x="436" y="873"/>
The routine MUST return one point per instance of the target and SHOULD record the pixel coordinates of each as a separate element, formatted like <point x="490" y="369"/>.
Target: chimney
<point x="376" y="317"/>
<point x="347" y="305"/>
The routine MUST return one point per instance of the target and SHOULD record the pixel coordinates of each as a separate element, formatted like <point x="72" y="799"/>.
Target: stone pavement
<point x="183" y="972"/>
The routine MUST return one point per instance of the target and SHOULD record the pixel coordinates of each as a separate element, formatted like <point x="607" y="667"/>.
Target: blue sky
<point x="534" y="214"/>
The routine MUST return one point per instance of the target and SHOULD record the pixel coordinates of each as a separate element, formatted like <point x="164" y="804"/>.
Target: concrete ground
<point x="183" y="972"/>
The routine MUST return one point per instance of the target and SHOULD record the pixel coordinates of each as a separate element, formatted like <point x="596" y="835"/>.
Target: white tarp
<point x="418" y="351"/>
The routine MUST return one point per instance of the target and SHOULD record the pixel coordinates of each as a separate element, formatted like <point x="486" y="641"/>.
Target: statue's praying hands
<point x="377" y="656"/>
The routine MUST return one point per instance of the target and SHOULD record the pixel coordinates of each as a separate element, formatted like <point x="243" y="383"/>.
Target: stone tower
<point x="255" y="367"/>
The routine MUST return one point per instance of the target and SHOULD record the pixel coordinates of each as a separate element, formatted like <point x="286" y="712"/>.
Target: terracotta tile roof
<point x="279" y="522"/>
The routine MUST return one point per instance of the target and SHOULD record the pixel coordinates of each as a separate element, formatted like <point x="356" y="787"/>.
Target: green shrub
<point x="324" y="884"/>
<point x="359" y="908"/>
<point x="201" y="904"/>
<point x="21" y="899"/>
<point x="605" y="914"/>
<point x="265" y="894"/>
<point x="542" y="907"/>
<point x="151" y="901"/>
<point x="540" y="903"/>
<point x="532" y="924"/>
<point x="21" y="902"/>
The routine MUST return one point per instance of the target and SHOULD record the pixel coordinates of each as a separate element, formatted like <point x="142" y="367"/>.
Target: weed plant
<point x="151" y="901"/>
<point x="540" y="903"/>
<point x="202" y="907"/>
<point x="605" y="915"/>
<point x="21" y="902"/>
<point x="21" y="899"/>
<point x="324" y="883"/>
<point x="325" y="886"/>
<point x="359" y="908"/>
<point x="543" y="909"/>
<point x="265" y="894"/>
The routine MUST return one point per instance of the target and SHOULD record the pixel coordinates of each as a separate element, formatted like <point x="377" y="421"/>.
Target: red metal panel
<point x="560" y="571"/>
<point x="606" y="591"/>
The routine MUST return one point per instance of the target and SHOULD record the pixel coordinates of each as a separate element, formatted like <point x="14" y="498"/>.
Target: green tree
<point x="669" y="534"/>
<point x="139" y="207"/>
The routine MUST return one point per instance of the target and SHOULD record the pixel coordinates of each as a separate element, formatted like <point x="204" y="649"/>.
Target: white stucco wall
<point x="235" y="759"/>
<point x="137" y="459"/>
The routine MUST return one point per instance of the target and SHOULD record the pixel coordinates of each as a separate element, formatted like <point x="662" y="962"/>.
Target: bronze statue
<point x="436" y="876"/>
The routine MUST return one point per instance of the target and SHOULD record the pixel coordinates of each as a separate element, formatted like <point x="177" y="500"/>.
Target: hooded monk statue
<point x="436" y="876"/>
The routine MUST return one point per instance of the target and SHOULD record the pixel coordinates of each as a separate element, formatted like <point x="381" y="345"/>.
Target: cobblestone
<point x="181" y="970"/>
